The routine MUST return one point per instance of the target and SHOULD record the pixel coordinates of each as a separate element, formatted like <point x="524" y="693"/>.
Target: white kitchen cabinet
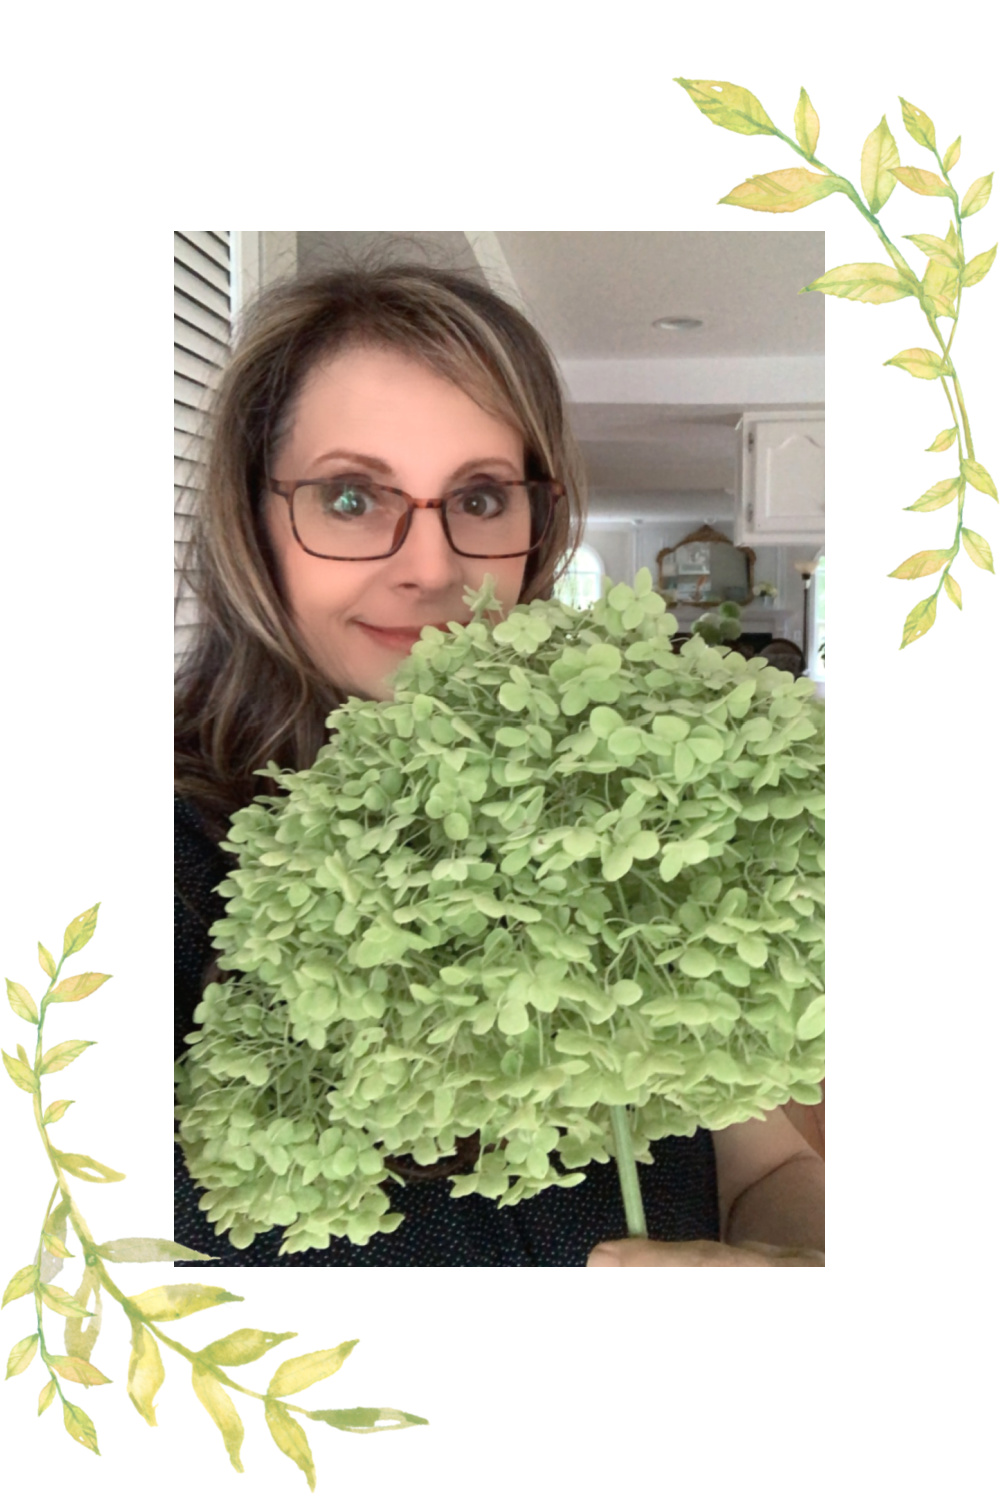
<point x="780" y="491"/>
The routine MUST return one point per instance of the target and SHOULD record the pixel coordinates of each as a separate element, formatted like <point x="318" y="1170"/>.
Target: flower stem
<point x="628" y="1177"/>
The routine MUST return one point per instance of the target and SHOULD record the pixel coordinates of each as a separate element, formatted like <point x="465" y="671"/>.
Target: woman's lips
<point x="399" y="638"/>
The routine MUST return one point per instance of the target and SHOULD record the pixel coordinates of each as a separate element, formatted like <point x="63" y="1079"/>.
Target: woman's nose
<point x="425" y="558"/>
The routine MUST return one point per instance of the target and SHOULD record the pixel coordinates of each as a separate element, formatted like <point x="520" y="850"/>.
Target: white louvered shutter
<point x="202" y="322"/>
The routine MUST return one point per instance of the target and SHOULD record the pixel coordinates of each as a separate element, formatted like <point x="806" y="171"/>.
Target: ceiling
<point x="654" y="412"/>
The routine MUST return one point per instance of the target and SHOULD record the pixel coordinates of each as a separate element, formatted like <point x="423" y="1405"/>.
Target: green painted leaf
<point x="295" y="1374"/>
<point x="55" y="1111"/>
<point x="728" y="105"/>
<point x="937" y="249"/>
<point x="923" y="363"/>
<point x="62" y="1055"/>
<point x="81" y="1333"/>
<point x="79" y="1370"/>
<point x="878" y="158"/>
<point x="939" y="289"/>
<point x="80" y="1427"/>
<point x="78" y="986"/>
<point x="919" y="180"/>
<point x="978" y="477"/>
<point x="45" y="1396"/>
<point x="148" y="1250"/>
<point x="977" y="197"/>
<point x="942" y="493"/>
<point x="922" y="564"/>
<point x="219" y="1405"/>
<point x="46" y="961"/>
<point x="953" y="590"/>
<point x="978" y="267"/>
<point x="978" y="549"/>
<point x="290" y="1438"/>
<point x="363" y="1419"/>
<point x="919" y="621"/>
<point x="785" y="191"/>
<point x="863" y="282"/>
<point x="145" y="1371"/>
<point x="80" y="931"/>
<point x="55" y="1246"/>
<point x="952" y="154"/>
<point x="21" y="1073"/>
<point x="86" y="1168"/>
<point x="919" y="125"/>
<point x="21" y="1355"/>
<point x="242" y="1347"/>
<point x="21" y="1002"/>
<point x="943" y="441"/>
<point x="164" y="1303"/>
<point x="61" y="1302"/>
<point x="806" y="124"/>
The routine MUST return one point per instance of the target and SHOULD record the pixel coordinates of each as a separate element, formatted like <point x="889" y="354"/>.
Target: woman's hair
<point x="247" y="692"/>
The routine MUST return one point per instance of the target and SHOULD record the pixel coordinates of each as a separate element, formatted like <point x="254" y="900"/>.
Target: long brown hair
<point x="247" y="692"/>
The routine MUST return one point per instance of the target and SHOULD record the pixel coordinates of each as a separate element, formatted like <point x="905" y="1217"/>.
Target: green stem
<point x="628" y="1176"/>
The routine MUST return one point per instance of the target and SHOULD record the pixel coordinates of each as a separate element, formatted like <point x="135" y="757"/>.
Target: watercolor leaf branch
<point x="81" y="1311"/>
<point x="939" y="291"/>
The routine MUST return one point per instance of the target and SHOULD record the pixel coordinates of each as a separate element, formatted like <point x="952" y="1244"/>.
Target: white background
<point x="525" y="117"/>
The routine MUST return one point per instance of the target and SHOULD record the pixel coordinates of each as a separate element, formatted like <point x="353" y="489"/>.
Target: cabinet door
<point x="785" y="467"/>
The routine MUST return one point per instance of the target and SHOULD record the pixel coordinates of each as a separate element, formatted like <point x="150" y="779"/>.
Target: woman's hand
<point x="640" y="1252"/>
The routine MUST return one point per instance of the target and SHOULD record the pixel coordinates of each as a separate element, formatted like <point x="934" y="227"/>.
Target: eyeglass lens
<point x="350" y="518"/>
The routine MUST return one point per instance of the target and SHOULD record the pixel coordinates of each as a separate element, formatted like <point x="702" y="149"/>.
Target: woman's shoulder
<point x="198" y="857"/>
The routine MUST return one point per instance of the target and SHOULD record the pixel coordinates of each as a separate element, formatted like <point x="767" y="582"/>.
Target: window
<point x="202" y="315"/>
<point x="580" y="585"/>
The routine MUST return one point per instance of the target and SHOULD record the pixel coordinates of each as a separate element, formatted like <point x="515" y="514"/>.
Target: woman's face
<point x="382" y="415"/>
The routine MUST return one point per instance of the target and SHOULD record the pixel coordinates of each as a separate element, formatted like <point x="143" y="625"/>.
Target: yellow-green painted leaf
<point x="295" y="1374"/>
<point x="978" y="267"/>
<point x="918" y="125"/>
<point x="164" y="1303"/>
<point x="919" y="180"/>
<point x="86" y="1168"/>
<point x="21" y="1355"/>
<point x="922" y="564"/>
<point x="55" y="1246"/>
<point x="363" y="1419"/>
<point x="241" y="1347"/>
<point x="145" y="1372"/>
<point x="783" y="192"/>
<point x="55" y="1111"/>
<point x="953" y="590"/>
<point x="919" y="621"/>
<point x="978" y="549"/>
<point x="977" y="197"/>
<point x="21" y="1002"/>
<point x="46" y="960"/>
<point x="20" y="1073"/>
<point x="952" y="154"/>
<point x="937" y="249"/>
<point x="728" y="105"/>
<point x="80" y="931"/>
<point x="923" y="363"/>
<point x="943" y="441"/>
<point x="62" y="1055"/>
<point x="939" y="289"/>
<point x="61" y="1302"/>
<point x="290" y="1438"/>
<point x="51" y="1266"/>
<point x="79" y="1370"/>
<point x="806" y="124"/>
<point x="863" y="281"/>
<point x="148" y="1250"/>
<point x="80" y="1427"/>
<point x="78" y="986"/>
<point x="218" y="1403"/>
<point x="878" y="157"/>
<point x="45" y="1396"/>
<point x="81" y="1333"/>
<point x="978" y="477"/>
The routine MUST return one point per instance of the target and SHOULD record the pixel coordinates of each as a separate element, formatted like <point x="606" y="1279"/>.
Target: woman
<point x="383" y="438"/>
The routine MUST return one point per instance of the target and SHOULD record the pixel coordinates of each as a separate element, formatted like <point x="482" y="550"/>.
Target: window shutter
<point x="202" y="321"/>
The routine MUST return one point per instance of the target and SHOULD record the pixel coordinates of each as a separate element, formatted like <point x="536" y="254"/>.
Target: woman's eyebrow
<point x="369" y="461"/>
<point x="366" y="460"/>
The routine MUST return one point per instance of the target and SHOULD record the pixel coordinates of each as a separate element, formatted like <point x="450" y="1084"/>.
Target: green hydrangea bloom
<point x="565" y="868"/>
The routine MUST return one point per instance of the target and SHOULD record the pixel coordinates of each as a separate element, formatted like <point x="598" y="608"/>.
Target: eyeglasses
<point x="356" y="520"/>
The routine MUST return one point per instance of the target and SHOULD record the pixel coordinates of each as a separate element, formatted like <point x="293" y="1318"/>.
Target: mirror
<point x="707" y="568"/>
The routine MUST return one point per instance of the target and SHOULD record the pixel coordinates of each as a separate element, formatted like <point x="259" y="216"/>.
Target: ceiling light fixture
<point x="678" y="325"/>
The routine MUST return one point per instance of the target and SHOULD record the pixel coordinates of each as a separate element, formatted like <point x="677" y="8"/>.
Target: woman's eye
<point x="481" y="500"/>
<point x="348" y="500"/>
